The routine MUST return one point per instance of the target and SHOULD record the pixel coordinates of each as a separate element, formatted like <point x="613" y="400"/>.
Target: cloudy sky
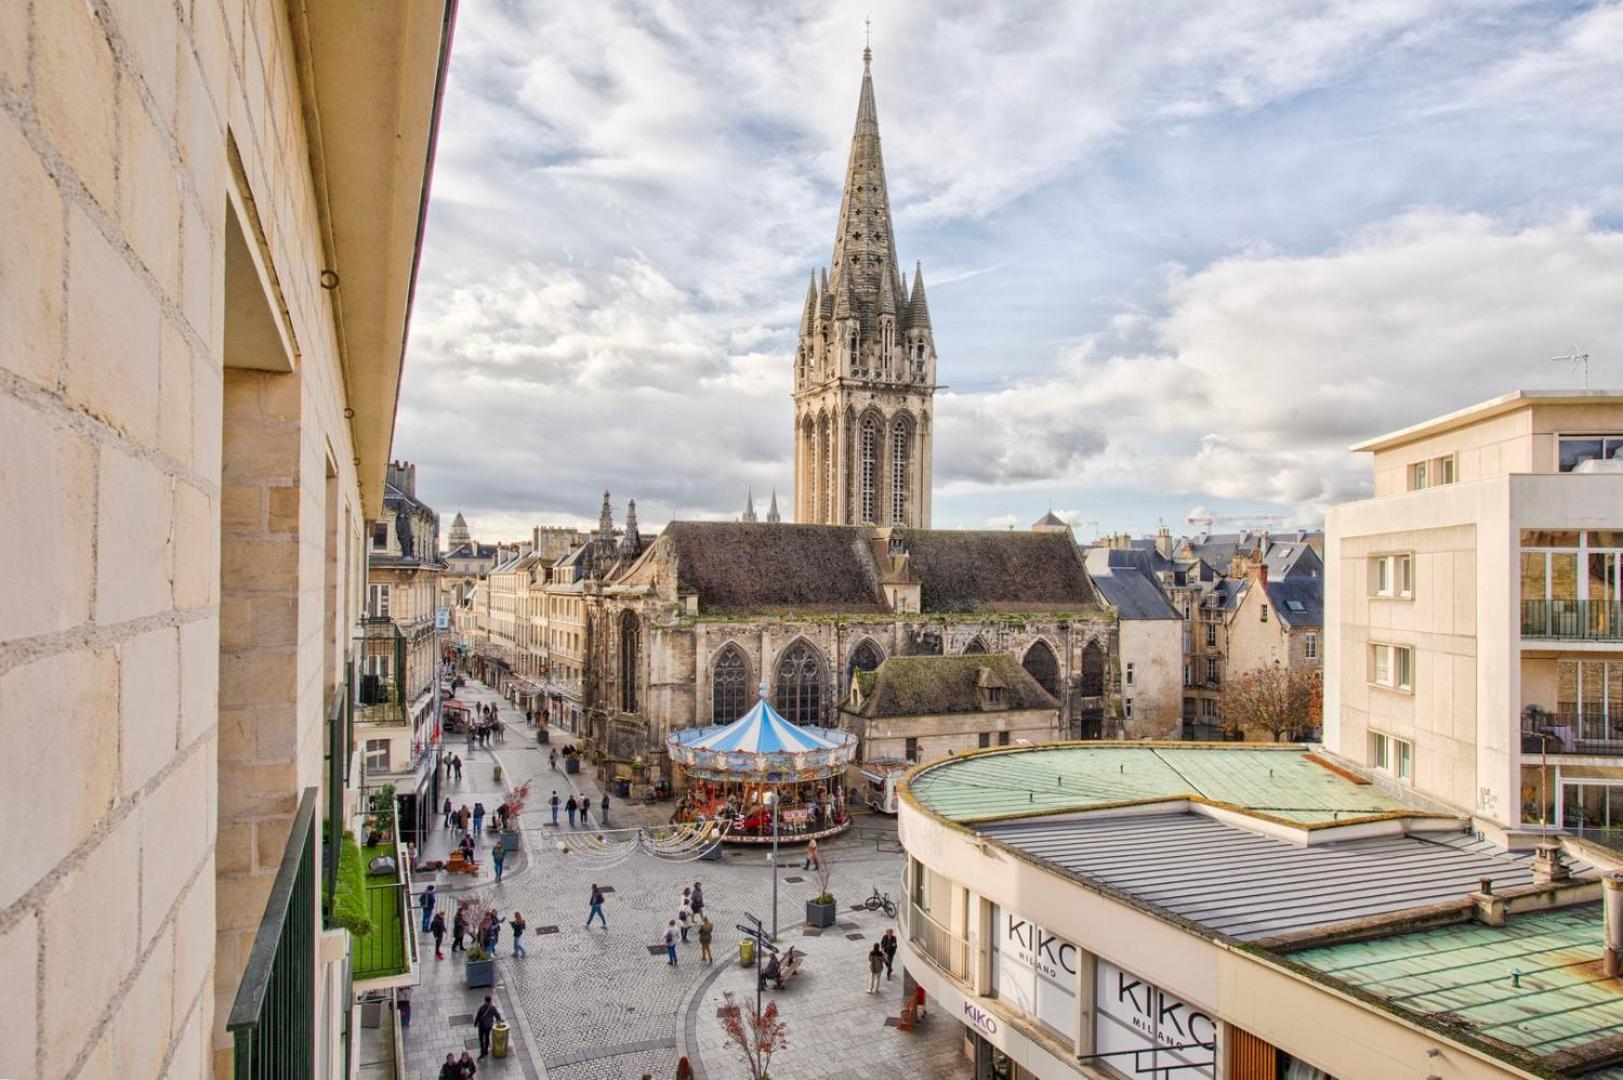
<point x="1179" y="255"/>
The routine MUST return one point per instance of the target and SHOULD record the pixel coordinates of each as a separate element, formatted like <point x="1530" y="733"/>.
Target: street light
<point x="772" y="801"/>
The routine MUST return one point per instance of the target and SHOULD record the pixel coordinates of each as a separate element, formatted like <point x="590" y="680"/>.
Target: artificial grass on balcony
<point x="383" y="952"/>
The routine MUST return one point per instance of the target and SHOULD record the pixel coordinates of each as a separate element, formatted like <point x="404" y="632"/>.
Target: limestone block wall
<point x="126" y="131"/>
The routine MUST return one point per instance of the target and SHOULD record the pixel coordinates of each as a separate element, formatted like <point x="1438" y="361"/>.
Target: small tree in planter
<point x="480" y="966"/>
<point x="757" y="1035"/>
<point x="511" y="809"/>
<point x="822" y="910"/>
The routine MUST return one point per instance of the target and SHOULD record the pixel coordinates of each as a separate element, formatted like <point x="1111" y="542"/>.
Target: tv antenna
<point x="1577" y="359"/>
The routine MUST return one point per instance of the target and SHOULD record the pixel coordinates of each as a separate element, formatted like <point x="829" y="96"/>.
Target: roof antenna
<point x="1576" y="359"/>
<point x="867" y="40"/>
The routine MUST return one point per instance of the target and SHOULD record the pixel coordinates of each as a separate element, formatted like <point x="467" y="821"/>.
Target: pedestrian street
<point x="589" y="1004"/>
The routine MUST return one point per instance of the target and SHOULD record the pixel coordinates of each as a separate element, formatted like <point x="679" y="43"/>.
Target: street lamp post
<point x="772" y="801"/>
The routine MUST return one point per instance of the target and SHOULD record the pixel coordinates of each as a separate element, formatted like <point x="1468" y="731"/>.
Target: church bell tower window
<point x="870" y="455"/>
<point x="899" y="446"/>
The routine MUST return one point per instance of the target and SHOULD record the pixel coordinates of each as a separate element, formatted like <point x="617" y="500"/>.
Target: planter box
<point x="572" y="764"/>
<point x="510" y="841"/>
<point x="481" y="973"/>
<point x="820" y="914"/>
<point x="543" y="736"/>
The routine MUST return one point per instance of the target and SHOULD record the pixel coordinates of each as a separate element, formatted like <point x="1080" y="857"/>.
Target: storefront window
<point x="1035" y="971"/>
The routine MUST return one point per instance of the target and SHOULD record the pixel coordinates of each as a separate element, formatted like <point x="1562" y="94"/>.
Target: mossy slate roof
<point x="748" y="568"/>
<point x="1278" y="781"/>
<point x="933" y="685"/>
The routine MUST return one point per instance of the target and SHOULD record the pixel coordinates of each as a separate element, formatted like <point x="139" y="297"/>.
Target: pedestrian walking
<point x="706" y="930"/>
<point x="451" y="1070"/>
<point x="456" y="763"/>
<point x="684" y="914"/>
<point x="888" y="945"/>
<point x="552" y="758"/>
<point x="402" y="1006"/>
<point x="554" y="803"/>
<point x="569" y="811"/>
<point x="478" y="818"/>
<point x="464" y="817"/>
<point x="485" y="1020"/>
<point x="459" y="930"/>
<point x="466" y="1067"/>
<point x="876" y="964"/>
<point x="498" y="855"/>
<point x="605" y="808"/>
<point x="697" y="900"/>
<point x="585" y="812"/>
<point x="449" y="809"/>
<point x="426" y="902"/>
<point x="437" y="928"/>
<point x="519" y="926"/>
<point x="670" y="944"/>
<point x="595" y="909"/>
<point x="812" y="858"/>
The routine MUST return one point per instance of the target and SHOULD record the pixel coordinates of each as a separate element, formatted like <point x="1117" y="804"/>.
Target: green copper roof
<point x="1466" y="976"/>
<point x="1278" y="781"/>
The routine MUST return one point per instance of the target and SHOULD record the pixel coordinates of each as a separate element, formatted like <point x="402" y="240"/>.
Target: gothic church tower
<point x="865" y="369"/>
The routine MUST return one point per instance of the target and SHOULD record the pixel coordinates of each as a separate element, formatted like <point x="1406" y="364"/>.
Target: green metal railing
<point x="272" y="1022"/>
<point x="340" y="752"/>
<point x="387" y="950"/>
<point x="1572" y="620"/>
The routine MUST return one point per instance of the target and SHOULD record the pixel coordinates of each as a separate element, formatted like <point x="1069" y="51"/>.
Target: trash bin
<point x="622" y="788"/>
<point x="498" y="1039"/>
<point x="746" y="952"/>
<point x="572" y="764"/>
<point x="543" y="736"/>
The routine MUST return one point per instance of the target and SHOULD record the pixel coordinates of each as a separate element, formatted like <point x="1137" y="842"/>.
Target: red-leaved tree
<point x="757" y="1035"/>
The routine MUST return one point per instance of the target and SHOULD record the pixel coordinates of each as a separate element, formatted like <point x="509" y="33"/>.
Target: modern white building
<point x="1474" y="618"/>
<point x="1244" y="912"/>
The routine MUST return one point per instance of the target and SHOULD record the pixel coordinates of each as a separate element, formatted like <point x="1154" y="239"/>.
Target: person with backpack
<point x="437" y="928"/>
<point x="554" y="803"/>
<point x="478" y="819"/>
<point x="595" y="910"/>
<point x="876" y="964"/>
<point x="670" y="944"/>
<point x="519" y="926"/>
<point x="485" y="1020"/>
<point x="684" y="914"/>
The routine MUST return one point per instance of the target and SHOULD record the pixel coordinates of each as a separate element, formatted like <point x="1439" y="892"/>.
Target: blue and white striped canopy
<point x="761" y="731"/>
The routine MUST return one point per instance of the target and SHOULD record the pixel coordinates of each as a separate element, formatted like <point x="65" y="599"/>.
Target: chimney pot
<point x="1547" y="865"/>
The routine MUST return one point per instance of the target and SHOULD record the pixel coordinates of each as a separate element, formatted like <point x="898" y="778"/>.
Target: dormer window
<point x="994" y="695"/>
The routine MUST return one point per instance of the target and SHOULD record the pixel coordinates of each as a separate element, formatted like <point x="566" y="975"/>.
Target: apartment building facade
<point x="193" y="449"/>
<point x="1476" y="647"/>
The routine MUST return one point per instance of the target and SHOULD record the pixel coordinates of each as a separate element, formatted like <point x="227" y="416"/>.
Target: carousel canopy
<point x="761" y="740"/>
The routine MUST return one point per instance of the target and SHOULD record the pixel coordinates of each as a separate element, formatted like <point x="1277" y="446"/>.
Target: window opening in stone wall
<point x="630" y="647"/>
<point x="898" y="474"/>
<point x="1041" y="664"/>
<point x="1093" y="670"/>
<point x="799" y="697"/>
<point x="729" y="686"/>
<point x="870" y="454"/>
<point x="864" y="658"/>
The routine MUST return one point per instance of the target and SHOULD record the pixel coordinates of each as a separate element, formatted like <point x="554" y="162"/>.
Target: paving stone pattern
<point x="599" y="1004"/>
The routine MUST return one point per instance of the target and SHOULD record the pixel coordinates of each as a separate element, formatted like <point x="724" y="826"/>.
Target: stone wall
<point x="133" y="138"/>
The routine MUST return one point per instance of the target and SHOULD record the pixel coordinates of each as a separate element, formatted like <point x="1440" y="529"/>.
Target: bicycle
<point x="880" y="900"/>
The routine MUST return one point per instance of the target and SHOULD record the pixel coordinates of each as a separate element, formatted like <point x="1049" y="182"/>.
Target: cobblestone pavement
<point x="600" y="1005"/>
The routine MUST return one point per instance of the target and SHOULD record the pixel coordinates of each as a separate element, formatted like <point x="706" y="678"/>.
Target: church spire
<point x="631" y="542"/>
<point x="864" y="243"/>
<point x="772" y="515"/>
<point x="749" y="507"/>
<point x="605" y="523"/>
<point x="808" y="317"/>
<point x="918" y="310"/>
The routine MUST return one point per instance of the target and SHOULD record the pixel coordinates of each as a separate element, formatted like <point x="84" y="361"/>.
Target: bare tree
<point x="1285" y="702"/>
<point x="758" y="1035"/>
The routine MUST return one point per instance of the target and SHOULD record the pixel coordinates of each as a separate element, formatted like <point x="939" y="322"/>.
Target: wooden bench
<point x="456" y="864"/>
<point x="789" y="965"/>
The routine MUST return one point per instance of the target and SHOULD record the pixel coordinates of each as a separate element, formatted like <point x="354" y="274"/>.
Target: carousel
<point x="731" y="769"/>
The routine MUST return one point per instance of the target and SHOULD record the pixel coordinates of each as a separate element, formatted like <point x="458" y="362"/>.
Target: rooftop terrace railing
<point x="272" y="1020"/>
<point x="1574" y="729"/>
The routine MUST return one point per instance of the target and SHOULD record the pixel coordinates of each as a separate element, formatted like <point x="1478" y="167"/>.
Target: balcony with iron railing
<point x="389" y="948"/>
<point x="1572" y="620"/>
<point x="1592" y="730"/>
<point x="936" y="942"/>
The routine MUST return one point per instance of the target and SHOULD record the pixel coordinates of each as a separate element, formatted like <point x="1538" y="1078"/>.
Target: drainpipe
<point x="1612" y="907"/>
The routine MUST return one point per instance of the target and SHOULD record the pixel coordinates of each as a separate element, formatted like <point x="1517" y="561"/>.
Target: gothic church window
<point x="976" y="647"/>
<point x="1043" y="666"/>
<point x="729" y="686"/>
<point x="865" y="658"/>
<point x="630" y="648"/>
<point x="799" y="696"/>
<point x="870" y="465"/>
<point x="1093" y="670"/>
<point x="899" y="444"/>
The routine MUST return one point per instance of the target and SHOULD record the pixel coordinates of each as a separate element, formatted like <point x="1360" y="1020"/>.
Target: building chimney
<point x="1612" y="911"/>
<point x="1547" y="865"/>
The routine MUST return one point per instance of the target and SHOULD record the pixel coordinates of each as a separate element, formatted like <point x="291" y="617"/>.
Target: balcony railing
<point x="1572" y="620"/>
<point x="272" y="1021"/>
<point x="946" y="950"/>
<point x="1572" y="729"/>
